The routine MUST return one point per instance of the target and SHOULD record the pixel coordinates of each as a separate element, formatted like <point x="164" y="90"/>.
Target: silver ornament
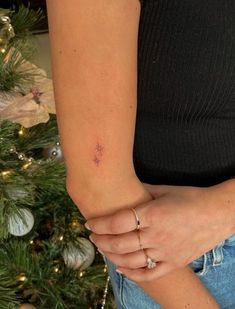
<point x="16" y="226"/>
<point x="54" y="152"/>
<point x="79" y="258"/>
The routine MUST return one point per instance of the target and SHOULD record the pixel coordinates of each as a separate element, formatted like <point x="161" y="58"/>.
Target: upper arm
<point x="94" y="64"/>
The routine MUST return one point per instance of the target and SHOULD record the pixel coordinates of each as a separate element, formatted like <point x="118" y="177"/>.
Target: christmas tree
<point x="46" y="259"/>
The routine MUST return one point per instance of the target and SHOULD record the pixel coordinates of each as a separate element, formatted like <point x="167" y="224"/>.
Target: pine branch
<point x="8" y="290"/>
<point x="13" y="76"/>
<point x="25" y="20"/>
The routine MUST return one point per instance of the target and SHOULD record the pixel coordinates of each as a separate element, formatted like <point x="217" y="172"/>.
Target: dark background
<point x="35" y="4"/>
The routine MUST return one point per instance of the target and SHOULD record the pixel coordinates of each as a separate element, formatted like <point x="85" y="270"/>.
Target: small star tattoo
<point x="99" y="149"/>
<point x="97" y="161"/>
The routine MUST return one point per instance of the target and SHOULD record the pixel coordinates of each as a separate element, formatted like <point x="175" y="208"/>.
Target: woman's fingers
<point x="121" y="244"/>
<point x="122" y="221"/>
<point x="132" y="260"/>
<point x="145" y="274"/>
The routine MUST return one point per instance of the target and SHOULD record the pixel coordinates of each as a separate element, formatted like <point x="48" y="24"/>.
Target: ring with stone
<point x="150" y="262"/>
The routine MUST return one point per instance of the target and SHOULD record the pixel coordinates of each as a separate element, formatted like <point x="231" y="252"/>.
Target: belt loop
<point x="204" y="269"/>
<point x="218" y="254"/>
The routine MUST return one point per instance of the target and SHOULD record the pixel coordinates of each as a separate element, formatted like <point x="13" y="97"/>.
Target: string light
<point x="22" y="277"/>
<point x="61" y="237"/>
<point x="31" y="242"/>
<point x="6" y="173"/>
<point x="75" y="225"/>
<point x="81" y="274"/>
<point x="56" y="269"/>
<point x="21" y="132"/>
<point x="26" y="165"/>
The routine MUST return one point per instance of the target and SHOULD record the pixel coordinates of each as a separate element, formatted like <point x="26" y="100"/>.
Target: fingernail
<point x="91" y="239"/>
<point x="119" y="271"/>
<point x="87" y="226"/>
<point x="100" y="251"/>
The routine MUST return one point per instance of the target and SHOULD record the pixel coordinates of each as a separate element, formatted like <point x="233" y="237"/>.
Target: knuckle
<point x="116" y="245"/>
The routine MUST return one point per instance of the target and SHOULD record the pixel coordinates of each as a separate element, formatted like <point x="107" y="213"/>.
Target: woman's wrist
<point x="94" y="201"/>
<point x="221" y="200"/>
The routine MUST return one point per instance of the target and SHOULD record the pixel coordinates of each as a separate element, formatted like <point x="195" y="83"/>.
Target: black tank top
<point x="185" y="125"/>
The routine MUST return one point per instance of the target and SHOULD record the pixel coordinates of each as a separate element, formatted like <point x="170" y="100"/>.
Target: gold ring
<point x="137" y="219"/>
<point x="138" y="234"/>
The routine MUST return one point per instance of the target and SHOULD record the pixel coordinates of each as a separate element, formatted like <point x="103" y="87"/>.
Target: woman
<point x="184" y="122"/>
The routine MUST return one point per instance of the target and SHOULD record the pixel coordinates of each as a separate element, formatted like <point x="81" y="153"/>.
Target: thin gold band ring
<point x="137" y="219"/>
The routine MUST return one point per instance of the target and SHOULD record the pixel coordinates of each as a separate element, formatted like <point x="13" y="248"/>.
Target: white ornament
<point x="26" y="306"/>
<point x="17" y="226"/>
<point x="79" y="258"/>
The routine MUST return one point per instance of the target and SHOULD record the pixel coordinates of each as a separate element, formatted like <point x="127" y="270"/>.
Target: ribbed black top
<point x="185" y="127"/>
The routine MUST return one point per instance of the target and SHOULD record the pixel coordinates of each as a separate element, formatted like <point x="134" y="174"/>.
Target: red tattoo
<point x="99" y="152"/>
<point x="99" y="149"/>
<point x="96" y="160"/>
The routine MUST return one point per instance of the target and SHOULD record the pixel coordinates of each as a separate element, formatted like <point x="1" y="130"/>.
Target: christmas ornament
<point x="26" y="306"/>
<point x="19" y="227"/>
<point x="16" y="192"/>
<point x="53" y="152"/>
<point x="6" y="32"/>
<point x="79" y="258"/>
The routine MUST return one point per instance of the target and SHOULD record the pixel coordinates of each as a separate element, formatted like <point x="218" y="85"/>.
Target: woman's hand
<point x="180" y="224"/>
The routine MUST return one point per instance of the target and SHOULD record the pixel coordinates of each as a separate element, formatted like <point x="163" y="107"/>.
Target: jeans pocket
<point x="199" y="265"/>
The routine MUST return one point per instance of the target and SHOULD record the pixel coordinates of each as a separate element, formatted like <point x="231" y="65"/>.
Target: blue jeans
<point x="216" y="269"/>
